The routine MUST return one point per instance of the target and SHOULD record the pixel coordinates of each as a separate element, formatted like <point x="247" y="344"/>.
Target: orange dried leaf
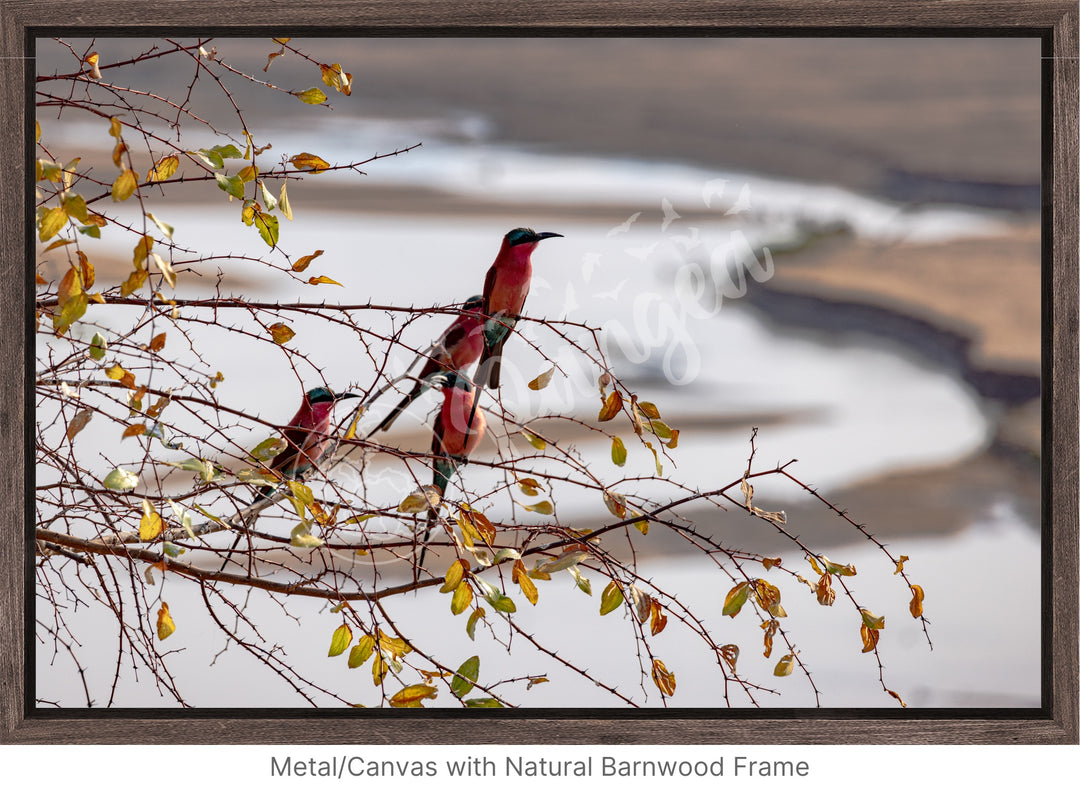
<point x="916" y="600"/>
<point x="303" y="262"/>
<point x="309" y="163"/>
<point x="315" y="281"/>
<point x="611" y="407"/>
<point x="663" y="678"/>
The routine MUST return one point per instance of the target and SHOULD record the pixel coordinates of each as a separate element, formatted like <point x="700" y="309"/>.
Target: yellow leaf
<point x="248" y="173"/>
<point x="768" y="563"/>
<point x="302" y="263"/>
<point x="612" y="405"/>
<point x="124" y="186"/>
<point x="115" y="127"/>
<point x="663" y="678"/>
<point x="916" y="600"/>
<point x="361" y="652"/>
<point x="463" y="597"/>
<point x="649" y="410"/>
<point x="618" y="452"/>
<point x="610" y="598"/>
<point x="307" y="162"/>
<point x="545" y="508"/>
<point x="118" y="154"/>
<point x="51" y="223"/>
<point x="134" y="282"/>
<point x="76" y="207"/>
<point x="281" y="332"/>
<point x="337" y="78"/>
<point x="312" y="96"/>
<point x="824" y="591"/>
<point x="340" y="640"/>
<point x="541" y="381"/>
<point x="141" y="250"/>
<point x="528" y="587"/>
<point x="529" y="487"/>
<point x="423" y="499"/>
<point x="314" y="281"/>
<point x="166" y="270"/>
<point x="163" y="169"/>
<point x="165" y="624"/>
<point x="535" y="440"/>
<point x="150" y="526"/>
<point x="785" y="665"/>
<point x="900" y="564"/>
<point x="454" y="575"/>
<point x="413" y="695"/>
<point x="283" y="202"/>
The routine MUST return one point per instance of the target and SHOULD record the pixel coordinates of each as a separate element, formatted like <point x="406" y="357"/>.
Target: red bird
<point x="458" y="431"/>
<point x="306" y="435"/>
<point x="505" y="289"/>
<point x="460" y="345"/>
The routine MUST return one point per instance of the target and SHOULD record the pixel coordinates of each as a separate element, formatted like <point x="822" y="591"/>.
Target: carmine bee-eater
<point x="306" y="435"/>
<point x="306" y="439"/>
<point x="458" y="431"/>
<point x="459" y="346"/>
<point x="505" y="289"/>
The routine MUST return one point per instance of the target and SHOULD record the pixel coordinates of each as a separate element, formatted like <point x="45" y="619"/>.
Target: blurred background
<point x="834" y="241"/>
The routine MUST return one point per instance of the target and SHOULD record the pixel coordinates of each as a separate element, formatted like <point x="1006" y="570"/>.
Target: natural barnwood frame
<point x="1055" y="21"/>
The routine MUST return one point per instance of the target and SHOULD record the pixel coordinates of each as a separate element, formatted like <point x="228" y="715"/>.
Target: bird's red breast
<point x="453" y="433"/>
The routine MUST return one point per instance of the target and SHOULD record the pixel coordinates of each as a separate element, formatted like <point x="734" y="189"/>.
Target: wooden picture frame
<point x="1054" y="21"/>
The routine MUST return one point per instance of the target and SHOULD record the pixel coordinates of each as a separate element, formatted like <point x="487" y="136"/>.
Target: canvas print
<point x="537" y="373"/>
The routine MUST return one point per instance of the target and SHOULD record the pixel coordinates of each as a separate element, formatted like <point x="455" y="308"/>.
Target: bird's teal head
<point x="323" y="394"/>
<point x="524" y="235"/>
<point x="474" y="303"/>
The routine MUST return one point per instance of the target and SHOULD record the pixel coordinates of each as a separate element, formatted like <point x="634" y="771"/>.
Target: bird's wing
<point x="489" y="286"/>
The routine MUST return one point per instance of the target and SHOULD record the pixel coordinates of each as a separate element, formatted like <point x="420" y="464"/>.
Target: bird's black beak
<point x="345" y="395"/>
<point x="540" y="236"/>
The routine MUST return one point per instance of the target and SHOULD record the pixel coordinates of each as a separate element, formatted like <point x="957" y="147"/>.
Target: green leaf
<point x="267" y="225"/>
<point x="312" y="96"/>
<point x="565" y="561"/>
<point x="470" y="626"/>
<point x="467" y="673"/>
<point x="340" y="641"/>
<point x="268" y="448"/>
<point x="230" y="184"/>
<point x="610" y="598"/>
<point x="168" y="230"/>
<point x="736" y="598"/>
<point x="215" y="156"/>
<point x="121" y="480"/>
<point x="486" y="701"/>
<point x="618" y="452"/>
